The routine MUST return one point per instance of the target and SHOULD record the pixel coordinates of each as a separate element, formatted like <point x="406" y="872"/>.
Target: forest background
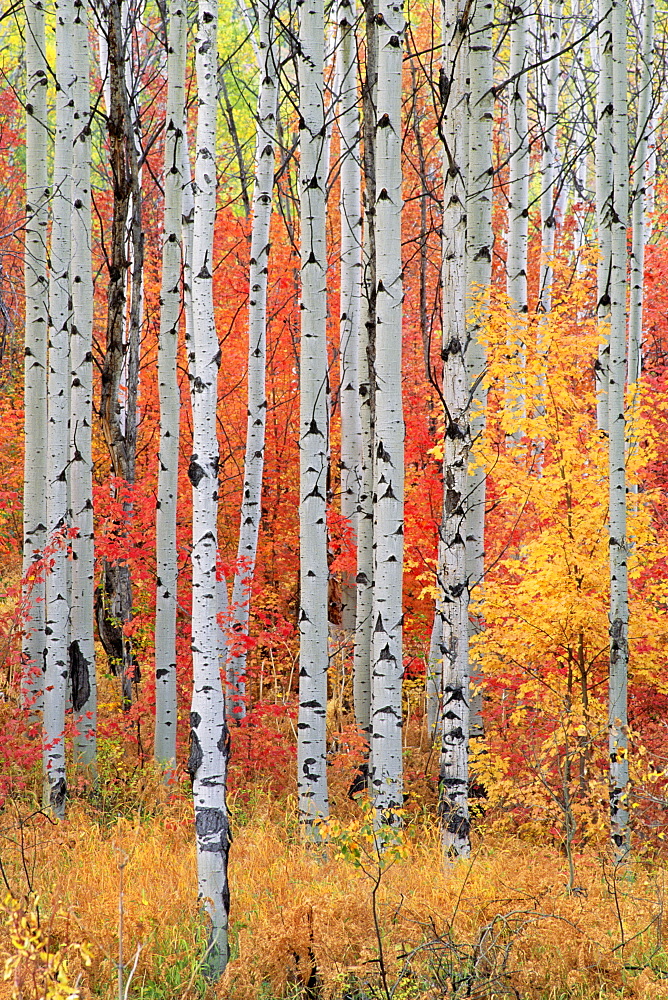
<point x="539" y="908"/>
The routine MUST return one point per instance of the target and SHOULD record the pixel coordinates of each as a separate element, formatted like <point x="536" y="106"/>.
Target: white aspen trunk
<point x="57" y="593"/>
<point x="82" y="566"/>
<point x="388" y="524"/>
<point x="251" y="500"/>
<point x="434" y="676"/>
<point x="35" y="362"/>
<point x="604" y="206"/>
<point x="518" y="207"/>
<point x="187" y="223"/>
<point x="638" y="199"/>
<point x="452" y="604"/>
<point x="619" y="598"/>
<point x="351" y="286"/>
<point x="170" y="402"/>
<point x="366" y="377"/>
<point x="479" y="240"/>
<point x="548" y="200"/>
<point x="314" y="430"/>
<point x="209" y="740"/>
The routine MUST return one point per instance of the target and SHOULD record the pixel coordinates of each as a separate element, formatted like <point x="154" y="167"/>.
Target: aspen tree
<point x="168" y="458"/>
<point x="638" y="194"/>
<point x="388" y="481"/>
<point x="251" y="500"/>
<point x="452" y="603"/>
<point x="549" y="166"/>
<point x="57" y="591"/>
<point x="616" y="219"/>
<point x="314" y="430"/>
<point x="604" y="194"/>
<point x="209" y="739"/>
<point x="351" y="284"/>
<point x="518" y="200"/>
<point x="35" y="361"/>
<point x="82" y="647"/>
<point x="366" y="382"/>
<point x="479" y="240"/>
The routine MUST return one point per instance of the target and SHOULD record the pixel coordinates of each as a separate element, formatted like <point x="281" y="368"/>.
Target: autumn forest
<point x="334" y="368"/>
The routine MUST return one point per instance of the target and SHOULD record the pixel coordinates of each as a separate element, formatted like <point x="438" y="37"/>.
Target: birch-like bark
<point x="638" y="200"/>
<point x="82" y="646"/>
<point x="170" y="402"/>
<point x="388" y="522"/>
<point x="452" y="604"/>
<point x="251" y="500"/>
<point x="518" y="207"/>
<point x="351" y="286"/>
<point x="35" y="362"/>
<point x="549" y="167"/>
<point x="619" y="598"/>
<point x="604" y="195"/>
<point x="366" y="376"/>
<point x="314" y="430"/>
<point x="57" y="591"/>
<point x="209" y="740"/>
<point x="479" y="240"/>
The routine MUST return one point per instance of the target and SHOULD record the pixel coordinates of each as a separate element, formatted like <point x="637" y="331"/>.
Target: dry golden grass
<point x="302" y="914"/>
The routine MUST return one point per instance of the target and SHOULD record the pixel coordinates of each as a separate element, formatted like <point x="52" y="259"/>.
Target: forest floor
<point x="344" y="921"/>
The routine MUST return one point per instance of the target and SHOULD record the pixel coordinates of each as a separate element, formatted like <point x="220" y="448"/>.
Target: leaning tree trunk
<point x="452" y="603"/>
<point x="57" y="595"/>
<point x="639" y="231"/>
<point x="251" y="500"/>
<point x="604" y="206"/>
<point x="314" y="430"/>
<point x="82" y="645"/>
<point x="388" y="524"/>
<point x="366" y="381"/>
<point x="209" y="740"/>
<point x="170" y="402"/>
<point x="619" y="598"/>
<point x="35" y="364"/>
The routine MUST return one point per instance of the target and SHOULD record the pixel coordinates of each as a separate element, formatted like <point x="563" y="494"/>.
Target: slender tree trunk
<point x="35" y="363"/>
<point x="619" y="598"/>
<point x="251" y="501"/>
<point x="366" y="376"/>
<point x="57" y="591"/>
<point x="639" y="230"/>
<point x="604" y="194"/>
<point x="548" y="200"/>
<point x="170" y="402"/>
<point x="388" y="524"/>
<point x="351" y="287"/>
<point x="209" y="740"/>
<point x="82" y="647"/>
<point x="314" y="430"/>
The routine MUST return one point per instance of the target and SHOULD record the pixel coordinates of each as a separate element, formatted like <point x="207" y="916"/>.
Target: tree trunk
<point x="170" y="402"/>
<point x="388" y="523"/>
<point x="548" y="200"/>
<point x="314" y="430"/>
<point x="209" y="740"/>
<point x="35" y="363"/>
<point x="251" y="501"/>
<point x="82" y="647"/>
<point x="604" y="194"/>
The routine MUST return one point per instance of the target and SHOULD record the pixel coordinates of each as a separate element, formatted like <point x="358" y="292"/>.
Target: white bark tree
<point x="251" y="500"/>
<point x="57" y="590"/>
<point x="170" y="403"/>
<point x="82" y="646"/>
<point x="35" y="363"/>
<point x="616" y="219"/>
<point x="452" y="604"/>
<point x="388" y="523"/>
<point x="209" y="739"/>
<point x="314" y="429"/>
<point x="550" y="163"/>
<point x="604" y="194"/>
